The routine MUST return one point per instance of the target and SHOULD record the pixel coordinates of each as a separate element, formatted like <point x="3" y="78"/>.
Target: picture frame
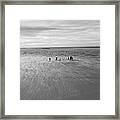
<point x="49" y="2"/>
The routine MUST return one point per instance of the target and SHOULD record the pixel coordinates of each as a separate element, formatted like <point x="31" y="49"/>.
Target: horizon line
<point x="59" y="47"/>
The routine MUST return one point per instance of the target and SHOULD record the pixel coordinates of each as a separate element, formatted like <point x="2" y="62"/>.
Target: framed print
<point x="59" y="59"/>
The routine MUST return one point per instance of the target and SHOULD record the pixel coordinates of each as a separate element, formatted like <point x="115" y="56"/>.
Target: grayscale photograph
<point x="59" y="60"/>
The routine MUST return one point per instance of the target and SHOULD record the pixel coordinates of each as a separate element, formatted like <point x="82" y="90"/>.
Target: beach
<point x="61" y="79"/>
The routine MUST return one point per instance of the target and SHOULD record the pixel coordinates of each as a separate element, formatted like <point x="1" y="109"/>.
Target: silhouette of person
<point x="56" y="58"/>
<point x="71" y="58"/>
<point x="49" y="59"/>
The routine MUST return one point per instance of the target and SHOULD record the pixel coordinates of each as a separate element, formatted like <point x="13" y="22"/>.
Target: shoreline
<point x="59" y="47"/>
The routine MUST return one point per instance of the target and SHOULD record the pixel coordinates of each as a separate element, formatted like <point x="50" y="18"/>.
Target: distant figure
<point x="71" y="58"/>
<point x="49" y="59"/>
<point x="56" y="58"/>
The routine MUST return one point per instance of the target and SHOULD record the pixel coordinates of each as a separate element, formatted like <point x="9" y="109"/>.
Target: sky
<point x="59" y="33"/>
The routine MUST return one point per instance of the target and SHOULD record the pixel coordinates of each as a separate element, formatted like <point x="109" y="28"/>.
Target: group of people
<point x="59" y="59"/>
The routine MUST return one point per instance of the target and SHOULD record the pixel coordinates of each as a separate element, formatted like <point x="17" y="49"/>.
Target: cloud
<point x="50" y="33"/>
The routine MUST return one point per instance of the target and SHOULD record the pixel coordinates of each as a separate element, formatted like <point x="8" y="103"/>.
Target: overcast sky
<point x="59" y="33"/>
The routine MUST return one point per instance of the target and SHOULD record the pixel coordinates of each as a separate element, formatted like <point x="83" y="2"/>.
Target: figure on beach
<point x="71" y="58"/>
<point x="49" y="59"/>
<point x="56" y="58"/>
